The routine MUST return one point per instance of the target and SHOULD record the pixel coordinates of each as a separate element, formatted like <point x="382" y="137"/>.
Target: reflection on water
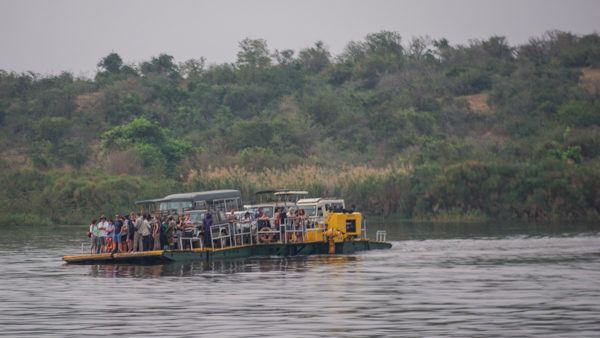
<point x="187" y="269"/>
<point x="437" y="280"/>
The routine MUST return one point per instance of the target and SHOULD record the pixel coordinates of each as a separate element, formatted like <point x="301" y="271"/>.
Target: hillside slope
<point x="484" y="129"/>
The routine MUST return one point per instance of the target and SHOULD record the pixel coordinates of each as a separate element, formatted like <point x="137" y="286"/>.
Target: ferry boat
<point x="328" y="229"/>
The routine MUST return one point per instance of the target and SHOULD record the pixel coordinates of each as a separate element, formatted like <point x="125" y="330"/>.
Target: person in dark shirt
<point x="130" y="232"/>
<point x="118" y="223"/>
<point x="207" y="222"/>
<point x="282" y="215"/>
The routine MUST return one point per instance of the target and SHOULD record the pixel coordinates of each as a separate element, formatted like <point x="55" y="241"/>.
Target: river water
<point x="482" y="280"/>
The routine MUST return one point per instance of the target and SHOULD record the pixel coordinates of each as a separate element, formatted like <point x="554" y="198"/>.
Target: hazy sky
<point x="54" y="35"/>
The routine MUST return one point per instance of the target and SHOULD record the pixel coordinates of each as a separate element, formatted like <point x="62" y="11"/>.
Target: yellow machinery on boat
<point x="343" y="226"/>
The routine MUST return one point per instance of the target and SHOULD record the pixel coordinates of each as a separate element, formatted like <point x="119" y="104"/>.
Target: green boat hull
<point x="258" y="250"/>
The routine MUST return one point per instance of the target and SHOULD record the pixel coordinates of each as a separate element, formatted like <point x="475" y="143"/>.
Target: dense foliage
<point x="484" y="129"/>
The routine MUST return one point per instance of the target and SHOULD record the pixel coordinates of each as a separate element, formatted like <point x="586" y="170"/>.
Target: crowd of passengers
<point x="293" y="219"/>
<point x="145" y="232"/>
<point x="133" y="232"/>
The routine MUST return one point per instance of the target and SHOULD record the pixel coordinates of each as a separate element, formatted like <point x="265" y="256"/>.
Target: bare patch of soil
<point x="478" y="102"/>
<point x="590" y="79"/>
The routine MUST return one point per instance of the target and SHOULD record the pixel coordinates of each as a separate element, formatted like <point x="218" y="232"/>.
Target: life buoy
<point x="265" y="235"/>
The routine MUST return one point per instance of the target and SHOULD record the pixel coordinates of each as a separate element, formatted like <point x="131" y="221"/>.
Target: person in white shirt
<point x="93" y="234"/>
<point x="102" y="228"/>
<point x="137" y="235"/>
<point x="145" y="231"/>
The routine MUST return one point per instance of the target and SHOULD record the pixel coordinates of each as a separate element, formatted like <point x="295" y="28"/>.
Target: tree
<point x="378" y="54"/>
<point x="193" y="68"/>
<point x="253" y="54"/>
<point x="163" y="65"/>
<point x="154" y="144"/>
<point x="498" y="47"/>
<point x="316" y="58"/>
<point x="284" y="57"/>
<point x="111" y="63"/>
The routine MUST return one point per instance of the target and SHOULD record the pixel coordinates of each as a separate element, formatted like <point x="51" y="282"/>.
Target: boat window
<point x="320" y="211"/>
<point x="310" y="210"/>
<point x="197" y="217"/>
<point x="164" y="206"/>
<point x="350" y="225"/>
<point x="233" y="203"/>
<point x="268" y="211"/>
<point x="226" y="204"/>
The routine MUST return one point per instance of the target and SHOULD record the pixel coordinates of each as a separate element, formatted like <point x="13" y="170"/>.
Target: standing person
<point x="145" y="233"/>
<point x="171" y="232"/>
<point x="246" y="223"/>
<point x="124" y="234"/>
<point x="117" y="233"/>
<point x="137" y="237"/>
<point x="282" y="216"/>
<point x="231" y="219"/>
<point x="264" y="221"/>
<point x="179" y="230"/>
<point x="188" y="232"/>
<point x="276" y="218"/>
<point x="300" y="226"/>
<point x="281" y="221"/>
<point x="130" y="232"/>
<point x="156" y="225"/>
<point x="258" y="216"/>
<point x="231" y="216"/>
<point x="93" y="234"/>
<point x="164" y="227"/>
<point x="110" y="236"/>
<point x="290" y="219"/>
<point x="247" y="218"/>
<point x="206" y="224"/>
<point x="102" y="232"/>
<point x="277" y="224"/>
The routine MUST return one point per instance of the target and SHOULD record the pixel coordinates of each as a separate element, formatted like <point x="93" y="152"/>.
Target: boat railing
<point x="242" y="233"/>
<point x="380" y="235"/>
<point x="195" y="238"/>
<point x="294" y="230"/>
<point x="314" y="227"/>
<point x="221" y="235"/>
<point x="363" y="229"/>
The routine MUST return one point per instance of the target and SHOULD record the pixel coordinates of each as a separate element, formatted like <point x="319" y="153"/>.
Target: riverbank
<point x="470" y="191"/>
